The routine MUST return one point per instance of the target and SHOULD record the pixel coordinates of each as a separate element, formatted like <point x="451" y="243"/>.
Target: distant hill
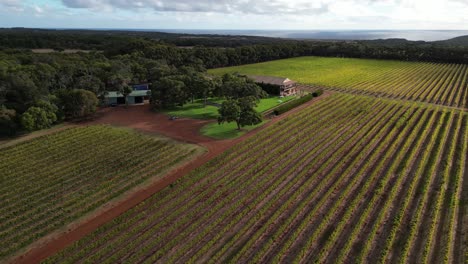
<point x="458" y="41"/>
<point x="392" y="42"/>
<point x="454" y="42"/>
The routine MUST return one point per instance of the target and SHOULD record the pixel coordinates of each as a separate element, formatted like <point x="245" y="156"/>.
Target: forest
<point x="38" y="90"/>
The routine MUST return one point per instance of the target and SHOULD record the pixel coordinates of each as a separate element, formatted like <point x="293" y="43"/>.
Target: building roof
<point x="115" y="94"/>
<point x="270" y="80"/>
<point x="141" y="87"/>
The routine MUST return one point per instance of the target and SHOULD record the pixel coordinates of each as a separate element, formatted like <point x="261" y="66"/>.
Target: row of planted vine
<point x="445" y="84"/>
<point x="348" y="179"/>
<point x="50" y="181"/>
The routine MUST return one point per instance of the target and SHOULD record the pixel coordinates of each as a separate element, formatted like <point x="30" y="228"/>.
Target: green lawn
<point x="272" y="102"/>
<point x="197" y="110"/>
<point x="226" y="130"/>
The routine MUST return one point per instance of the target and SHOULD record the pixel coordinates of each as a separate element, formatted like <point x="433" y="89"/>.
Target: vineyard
<point x="52" y="180"/>
<point x="445" y="84"/>
<point x="350" y="179"/>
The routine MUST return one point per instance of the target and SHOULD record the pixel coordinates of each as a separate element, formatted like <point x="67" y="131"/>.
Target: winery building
<point x="276" y="85"/>
<point x="139" y="95"/>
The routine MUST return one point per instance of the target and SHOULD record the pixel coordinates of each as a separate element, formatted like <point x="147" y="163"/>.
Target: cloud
<point x="12" y="5"/>
<point x="208" y="6"/>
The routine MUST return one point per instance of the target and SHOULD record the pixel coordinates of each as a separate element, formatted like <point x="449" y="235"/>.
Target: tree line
<point x="39" y="90"/>
<point x="33" y="86"/>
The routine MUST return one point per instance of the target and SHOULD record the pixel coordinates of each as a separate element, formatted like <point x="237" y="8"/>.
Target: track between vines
<point x="150" y="123"/>
<point x="348" y="179"/>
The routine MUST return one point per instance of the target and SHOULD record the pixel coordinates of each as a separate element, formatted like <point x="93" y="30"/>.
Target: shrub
<point x="317" y="93"/>
<point x="292" y="104"/>
<point x="37" y="118"/>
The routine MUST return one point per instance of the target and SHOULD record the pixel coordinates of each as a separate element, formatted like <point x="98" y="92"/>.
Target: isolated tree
<point x="248" y="116"/>
<point x="229" y="112"/>
<point x="242" y="111"/>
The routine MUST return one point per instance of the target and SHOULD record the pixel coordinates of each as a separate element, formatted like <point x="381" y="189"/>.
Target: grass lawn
<point x="226" y="130"/>
<point x="196" y="110"/>
<point x="272" y="102"/>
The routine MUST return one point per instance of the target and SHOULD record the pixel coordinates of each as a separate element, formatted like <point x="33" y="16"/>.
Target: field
<point x="445" y="84"/>
<point x="349" y="179"/>
<point x="53" y="180"/>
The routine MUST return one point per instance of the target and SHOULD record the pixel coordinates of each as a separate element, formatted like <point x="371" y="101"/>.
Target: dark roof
<point x="140" y="87"/>
<point x="270" y="80"/>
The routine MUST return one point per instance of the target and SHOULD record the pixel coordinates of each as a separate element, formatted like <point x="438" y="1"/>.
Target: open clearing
<point x="53" y="180"/>
<point x="348" y="179"/>
<point x="197" y="110"/>
<point x="445" y="84"/>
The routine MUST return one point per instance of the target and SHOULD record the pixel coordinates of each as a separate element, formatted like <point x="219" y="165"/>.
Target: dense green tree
<point x="125" y="90"/>
<point x="90" y="83"/>
<point x="20" y="91"/>
<point x="168" y="92"/>
<point x="76" y="103"/>
<point x="242" y="111"/>
<point x="205" y="86"/>
<point x="36" y="118"/>
<point x="50" y="108"/>
<point x="235" y="87"/>
<point x="8" y="125"/>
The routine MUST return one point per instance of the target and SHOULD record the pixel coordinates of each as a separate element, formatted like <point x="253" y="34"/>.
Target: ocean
<point x="424" y="35"/>
<point x="415" y="35"/>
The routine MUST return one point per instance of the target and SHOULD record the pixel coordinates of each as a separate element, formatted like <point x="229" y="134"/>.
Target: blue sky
<point x="236" y="14"/>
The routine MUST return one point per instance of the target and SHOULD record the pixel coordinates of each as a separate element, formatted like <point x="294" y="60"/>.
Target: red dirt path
<point x="141" y="118"/>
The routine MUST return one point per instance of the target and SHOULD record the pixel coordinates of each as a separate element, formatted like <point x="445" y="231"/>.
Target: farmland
<point x="445" y="84"/>
<point x="349" y="179"/>
<point x="53" y="180"/>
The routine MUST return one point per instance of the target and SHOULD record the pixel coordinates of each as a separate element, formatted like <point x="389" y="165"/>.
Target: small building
<point x="275" y="85"/>
<point x="139" y="95"/>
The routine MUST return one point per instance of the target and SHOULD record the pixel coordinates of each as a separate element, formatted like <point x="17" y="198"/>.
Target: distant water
<point x="415" y="35"/>
<point x="425" y="35"/>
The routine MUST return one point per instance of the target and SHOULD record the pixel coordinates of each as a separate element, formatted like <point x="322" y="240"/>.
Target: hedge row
<point x="295" y="103"/>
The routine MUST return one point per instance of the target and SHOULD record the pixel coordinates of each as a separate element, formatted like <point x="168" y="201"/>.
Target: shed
<point x="139" y="95"/>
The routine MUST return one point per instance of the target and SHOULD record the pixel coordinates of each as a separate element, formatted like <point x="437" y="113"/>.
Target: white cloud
<point x="216" y="6"/>
<point x="251" y="14"/>
<point x="12" y="5"/>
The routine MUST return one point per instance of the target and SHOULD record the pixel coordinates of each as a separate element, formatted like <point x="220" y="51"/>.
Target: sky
<point x="237" y="14"/>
